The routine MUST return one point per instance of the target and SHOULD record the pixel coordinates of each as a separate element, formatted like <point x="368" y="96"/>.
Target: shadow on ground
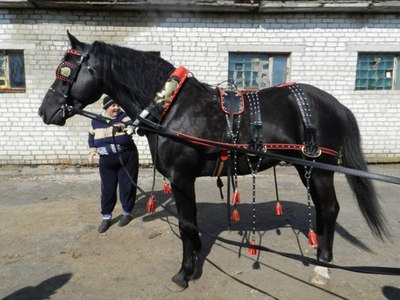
<point x="213" y="220"/>
<point x="43" y="290"/>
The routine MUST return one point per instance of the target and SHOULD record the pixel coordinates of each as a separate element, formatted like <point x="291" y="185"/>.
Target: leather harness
<point x="232" y="104"/>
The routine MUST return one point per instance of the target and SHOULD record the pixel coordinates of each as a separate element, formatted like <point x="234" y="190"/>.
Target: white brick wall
<point x="323" y="53"/>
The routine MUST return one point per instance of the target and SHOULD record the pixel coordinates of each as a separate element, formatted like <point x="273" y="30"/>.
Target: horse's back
<point x="327" y="114"/>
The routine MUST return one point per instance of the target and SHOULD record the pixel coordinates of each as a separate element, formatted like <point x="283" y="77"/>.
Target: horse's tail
<point x="363" y="188"/>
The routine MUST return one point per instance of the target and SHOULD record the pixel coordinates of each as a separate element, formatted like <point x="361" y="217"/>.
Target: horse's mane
<point x="139" y="73"/>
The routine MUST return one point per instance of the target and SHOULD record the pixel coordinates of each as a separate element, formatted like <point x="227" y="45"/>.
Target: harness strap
<point x="311" y="148"/>
<point x="255" y="121"/>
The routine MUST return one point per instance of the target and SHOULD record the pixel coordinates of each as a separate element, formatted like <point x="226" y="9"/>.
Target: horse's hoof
<point x="320" y="276"/>
<point x="181" y="282"/>
<point x="319" y="280"/>
<point x="174" y="288"/>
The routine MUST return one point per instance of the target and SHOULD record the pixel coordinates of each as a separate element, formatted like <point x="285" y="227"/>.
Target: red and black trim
<point x="180" y="74"/>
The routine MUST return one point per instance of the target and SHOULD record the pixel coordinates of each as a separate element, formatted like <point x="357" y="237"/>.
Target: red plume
<point x="235" y="216"/>
<point x="252" y="251"/>
<point x="167" y="189"/>
<point x="312" y="238"/>
<point x="278" y="209"/>
<point x="151" y="204"/>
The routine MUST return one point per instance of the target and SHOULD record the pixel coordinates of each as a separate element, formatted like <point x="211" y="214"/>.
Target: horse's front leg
<point x="184" y="195"/>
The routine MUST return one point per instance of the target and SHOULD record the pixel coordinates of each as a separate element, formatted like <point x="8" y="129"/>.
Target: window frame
<point x="7" y="88"/>
<point x="395" y="76"/>
<point x="271" y="56"/>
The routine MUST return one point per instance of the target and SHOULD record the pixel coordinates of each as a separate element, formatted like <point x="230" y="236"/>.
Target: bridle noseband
<point x="68" y="72"/>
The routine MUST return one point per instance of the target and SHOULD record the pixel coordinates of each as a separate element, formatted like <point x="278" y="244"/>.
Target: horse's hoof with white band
<point x="320" y="276"/>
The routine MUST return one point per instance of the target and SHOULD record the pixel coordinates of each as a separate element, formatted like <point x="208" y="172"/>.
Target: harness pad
<point x="232" y="102"/>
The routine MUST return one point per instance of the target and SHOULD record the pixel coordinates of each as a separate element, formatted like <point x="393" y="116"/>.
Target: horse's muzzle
<point x="56" y="117"/>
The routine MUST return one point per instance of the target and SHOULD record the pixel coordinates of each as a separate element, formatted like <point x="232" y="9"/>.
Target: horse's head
<point x="75" y="86"/>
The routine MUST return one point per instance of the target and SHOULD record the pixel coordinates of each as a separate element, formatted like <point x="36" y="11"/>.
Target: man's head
<point x="111" y="107"/>
<point x="107" y="101"/>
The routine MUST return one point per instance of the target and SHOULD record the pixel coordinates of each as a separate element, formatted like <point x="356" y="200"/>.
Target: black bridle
<point x="67" y="72"/>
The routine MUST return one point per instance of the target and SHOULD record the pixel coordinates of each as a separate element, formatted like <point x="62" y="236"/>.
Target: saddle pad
<point x="232" y="102"/>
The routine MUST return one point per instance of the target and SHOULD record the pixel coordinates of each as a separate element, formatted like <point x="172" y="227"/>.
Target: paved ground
<point x="50" y="248"/>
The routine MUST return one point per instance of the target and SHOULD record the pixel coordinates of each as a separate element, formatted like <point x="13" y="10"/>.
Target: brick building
<point x="348" y="48"/>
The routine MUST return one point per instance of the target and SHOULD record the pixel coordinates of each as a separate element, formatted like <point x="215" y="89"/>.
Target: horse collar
<point x="159" y="107"/>
<point x="171" y="89"/>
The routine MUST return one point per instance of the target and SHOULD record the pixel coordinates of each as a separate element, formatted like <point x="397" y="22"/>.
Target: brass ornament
<point x="163" y="97"/>
<point x="65" y="71"/>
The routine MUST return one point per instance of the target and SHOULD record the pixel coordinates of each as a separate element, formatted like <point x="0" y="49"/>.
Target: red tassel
<point x="252" y="251"/>
<point x="235" y="216"/>
<point x="278" y="209"/>
<point x="235" y="197"/>
<point x="151" y="204"/>
<point x="312" y="238"/>
<point x="167" y="190"/>
<point x="224" y="155"/>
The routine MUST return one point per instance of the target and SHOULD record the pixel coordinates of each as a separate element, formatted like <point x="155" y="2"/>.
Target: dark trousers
<point x="114" y="174"/>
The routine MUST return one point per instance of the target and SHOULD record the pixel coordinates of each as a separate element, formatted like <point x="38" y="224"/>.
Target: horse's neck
<point x="135" y="79"/>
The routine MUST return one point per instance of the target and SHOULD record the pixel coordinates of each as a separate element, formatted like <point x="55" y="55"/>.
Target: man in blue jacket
<point x="118" y="162"/>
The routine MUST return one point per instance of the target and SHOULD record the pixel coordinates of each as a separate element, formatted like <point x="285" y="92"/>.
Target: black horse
<point x="134" y="78"/>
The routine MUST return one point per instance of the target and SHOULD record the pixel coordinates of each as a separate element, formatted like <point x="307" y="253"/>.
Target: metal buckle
<point x="311" y="153"/>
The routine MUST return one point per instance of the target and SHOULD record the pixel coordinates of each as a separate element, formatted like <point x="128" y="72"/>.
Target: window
<point x="257" y="70"/>
<point x="12" y="71"/>
<point x="377" y="71"/>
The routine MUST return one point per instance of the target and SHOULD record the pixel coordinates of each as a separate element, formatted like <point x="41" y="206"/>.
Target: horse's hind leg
<point x="184" y="195"/>
<point x="326" y="209"/>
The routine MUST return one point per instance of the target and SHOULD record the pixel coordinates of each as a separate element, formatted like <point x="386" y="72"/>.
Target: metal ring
<point x="308" y="154"/>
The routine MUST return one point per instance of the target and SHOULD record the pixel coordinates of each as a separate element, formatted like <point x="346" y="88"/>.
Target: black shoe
<point x="125" y="219"/>
<point x="105" y="224"/>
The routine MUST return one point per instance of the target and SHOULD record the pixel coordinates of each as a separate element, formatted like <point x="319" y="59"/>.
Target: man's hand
<point x="91" y="156"/>
<point x="130" y="129"/>
<point x="119" y="127"/>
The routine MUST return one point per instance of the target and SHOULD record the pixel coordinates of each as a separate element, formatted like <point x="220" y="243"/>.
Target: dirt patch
<point x="50" y="247"/>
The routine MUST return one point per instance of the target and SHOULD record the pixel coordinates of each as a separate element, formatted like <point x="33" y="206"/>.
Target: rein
<point x="148" y="125"/>
<point x="164" y="131"/>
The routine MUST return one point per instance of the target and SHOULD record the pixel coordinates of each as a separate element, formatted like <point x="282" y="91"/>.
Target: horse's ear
<point x="75" y="43"/>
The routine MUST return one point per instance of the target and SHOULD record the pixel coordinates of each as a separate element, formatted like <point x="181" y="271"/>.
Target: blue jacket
<point x="102" y="140"/>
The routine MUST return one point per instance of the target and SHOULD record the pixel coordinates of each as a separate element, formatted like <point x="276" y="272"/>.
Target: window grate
<point x="375" y="71"/>
<point x="257" y="70"/>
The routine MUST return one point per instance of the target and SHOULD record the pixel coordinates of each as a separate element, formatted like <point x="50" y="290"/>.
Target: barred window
<point x="257" y="70"/>
<point x="12" y="71"/>
<point x="377" y="71"/>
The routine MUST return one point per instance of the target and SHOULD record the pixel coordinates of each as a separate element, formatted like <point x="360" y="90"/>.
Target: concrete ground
<point x="50" y="247"/>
